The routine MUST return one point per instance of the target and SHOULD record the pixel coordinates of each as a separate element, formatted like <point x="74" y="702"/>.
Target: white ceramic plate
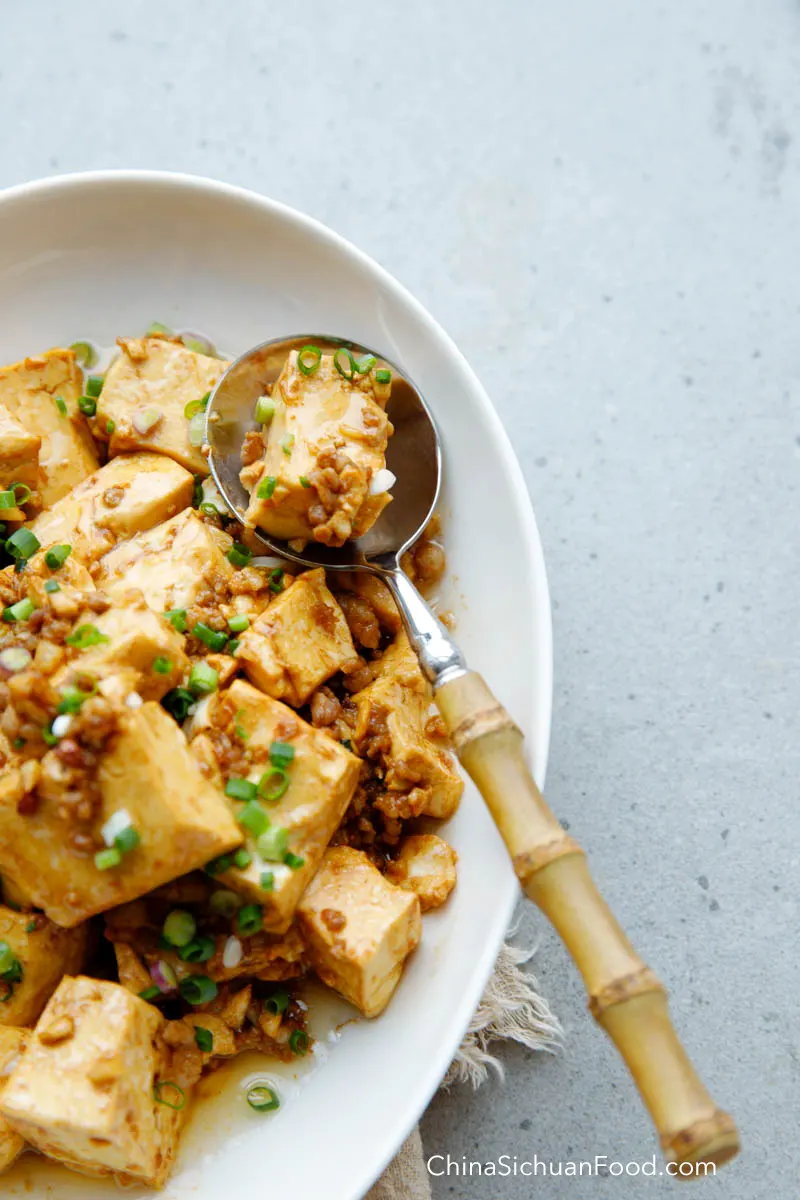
<point x="104" y="254"/>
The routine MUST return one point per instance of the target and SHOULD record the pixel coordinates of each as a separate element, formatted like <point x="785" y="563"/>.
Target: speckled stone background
<point x="601" y="203"/>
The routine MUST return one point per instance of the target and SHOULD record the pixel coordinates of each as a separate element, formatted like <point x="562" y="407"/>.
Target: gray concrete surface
<point x="600" y="202"/>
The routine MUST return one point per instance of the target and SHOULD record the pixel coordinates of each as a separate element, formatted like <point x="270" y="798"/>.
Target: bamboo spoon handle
<point x="625" y="997"/>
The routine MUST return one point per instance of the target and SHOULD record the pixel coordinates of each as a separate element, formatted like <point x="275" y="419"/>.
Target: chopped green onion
<point x="208" y="509"/>
<point x="162" y="665"/>
<point x="56" y="556"/>
<point x="18" y="743"/>
<point x="267" y="881"/>
<point x="22" y="544"/>
<point x="305" y="481"/>
<point x="253" y="818"/>
<point x="177" y="619"/>
<point x="204" y="1039"/>
<point x="19" y="611"/>
<point x="72" y="698"/>
<point x="267" y="487"/>
<point x="196" y="406"/>
<point x="273" y="843"/>
<point x="240" y="789"/>
<point x="150" y="993"/>
<point x="127" y="839"/>
<point x="293" y="860"/>
<point x="265" y="410"/>
<point x="197" y="989"/>
<point x="203" y="679"/>
<point x="211" y="637"/>
<point x="200" y="950"/>
<point x="263" y="1098"/>
<point x="30" y="927"/>
<point x="242" y="859"/>
<point x="273" y="784"/>
<point x="48" y="737"/>
<point x="238" y="728"/>
<point x="287" y="443"/>
<point x="175" y="1097"/>
<point x="157" y="327"/>
<point x="239" y="555"/>
<point x="52" y="585"/>
<point x="85" y="353"/>
<point x="233" y="645"/>
<point x="383" y="376"/>
<point x="250" y="919"/>
<point x="104" y="860"/>
<point x="87" y="405"/>
<point x="197" y="490"/>
<point x="22" y="492"/>
<point x="298" y="1042"/>
<point x="224" y="903"/>
<point x="350" y="370"/>
<point x="276" y="580"/>
<point x="308" y="359"/>
<point x="348" y="745"/>
<point x="110" y="427"/>
<point x="8" y="500"/>
<point x="277" y="1003"/>
<point x="197" y="429"/>
<point x="218" y="865"/>
<point x="94" y="386"/>
<point x="86" y="636"/>
<point x="239" y="623"/>
<point x="179" y="927"/>
<point x="8" y="960"/>
<point x="281" y="754"/>
<point x="366" y="364"/>
<point x="177" y="703"/>
<point x="61" y="405"/>
<point x="199" y="347"/>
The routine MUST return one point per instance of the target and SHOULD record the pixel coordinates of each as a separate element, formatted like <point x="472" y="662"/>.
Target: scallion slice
<point x="157" y="327"/>
<point x="267" y="487"/>
<point x="240" y="789"/>
<point x="8" y="499"/>
<point x="308" y="359"/>
<point x="224" y="903"/>
<point x="242" y="859"/>
<point x="239" y="555"/>
<point x="110" y="427"/>
<point x="305" y="481"/>
<point x="295" y="861"/>
<point x="179" y="927"/>
<point x="198" y="951"/>
<point x="276" y="579"/>
<point x="287" y="443"/>
<point x="273" y="843"/>
<point x="203" y="679"/>
<point x="86" y="636"/>
<point x="204" y="1039"/>
<point x="265" y="410"/>
<point x="106" y="860"/>
<point x="168" y="1093"/>
<point x="87" y="405"/>
<point x="61" y="405"/>
<point x="253" y="818"/>
<point x="383" y="376"/>
<point x="214" y="639"/>
<point x="56" y="556"/>
<point x="349" y="369"/>
<point x="52" y="585"/>
<point x="178" y="702"/>
<point x="197" y="989"/>
<point x="162" y="665"/>
<point x="366" y="364"/>
<point x="22" y="493"/>
<point x="263" y="1098"/>
<point x="239" y="623"/>
<point x="196" y="406"/>
<point x="150" y="993"/>
<point x="20" y="611"/>
<point x="22" y="544"/>
<point x="298" y="1042"/>
<point x="267" y="881"/>
<point x="197" y="429"/>
<point x="250" y="919"/>
<point x="277" y="1003"/>
<point x="72" y="698"/>
<point x="281" y="754"/>
<point x="273" y="784"/>
<point x="177" y="619"/>
<point x="127" y="839"/>
<point x="94" y="386"/>
<point x="85" y="353"/>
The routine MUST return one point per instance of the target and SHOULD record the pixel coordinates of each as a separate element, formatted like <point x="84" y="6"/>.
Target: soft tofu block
<point x="147" y="388"/>
<point x="30" y="391"/>
<point x="425" y="865"/>
<point x="324" y="448"/>
<point x="72" y="578"/>
<point x="12" y="1046"/>
<point x="322" y="779"/>
<point x="298" y="642"/>
<point x="181" y="818"/>
<point x="419" y="776"/>
<point x="359" y="928"/>
<point x="137" y="639"/>
<point x="129" y="494"/>
<point x="174" y="565"/>
<point x="19" y="454"/>
<point x="44" y="952"/>
<point x="84" y="1091"/>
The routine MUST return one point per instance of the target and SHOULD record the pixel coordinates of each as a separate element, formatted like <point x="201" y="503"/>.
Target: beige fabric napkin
<point x="511" y="1008"/>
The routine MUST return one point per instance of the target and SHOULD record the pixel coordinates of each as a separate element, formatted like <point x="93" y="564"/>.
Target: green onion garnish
<point x="273" y="784"/>
<point x="110" y="427"/>
<point x="198" y="951"/>
<point x="308" y="359"/>
<point x="250" y="919"/>
<point x="86" y="636"/>
<point x="298" y="1042"/>
<point x="85" y="353"/>
<point x="8" y="500"/>
<point x="281" y="754"/>
<point x="56" y="556"/>
<point x="366" y="364"/>
<point x="18" y="743"/>
<point x="305" y="481"/>
<point x="348" y="745"/>
<point x="197" y="429"/>
<point x="175" y="1096"/>
<point x="61" y="405"/>
<point x="178" y="702"/>
<point x="197" y="989"/>
<point x="253" y="818"/>
<point x="383" y="376"/>
<point x="293" y="860"/>
<point x="157" y="327"/>
<point x="177" y="619"/>
<point x="52" y="585"/>
<point x="267" y="487"/>
<point x="127" y="839"/>
<point x="267" y="881"/>
<point x="263" y="1098"/>
<point x="348" y="371"/>
<point x="208" y="509"/>
<point x="196" y="406"/>
<point x="277" y="1003"/>
<point x="242" y="859"/>
<point x="287" y="443"/>
<point x="22" y="492"/>
<point x="199" y="347"/>
<point x="30" y="927"/>
<point x="179" y="927"/>
<point x="238" y="728"/>
<point x="224" y="903"/>
<point x="162" y="665"/>
<point x="87" y="405"/>
<point x="218" y="865"/>
<point x="240" y="789"/>
<point x="20" y="611"/>
<point x="94" y="386"/>
<point x="22" y="544"/>
<point x="203" y="679"/>
<point x="150" y="993"/>
<point x="204" y="1039"/>
<point x="233" y="645"/>
<point x="211" y="637"/>
<point x="239" y="623"/>
<point x="72" y="698"/>
<point x="106" y="859"/>
<point x="276" y="579"/>
<point x="8" y="960"/>
<point x="239" y="555"/>
<point x="265" y="410"/>
<point x="273" y="843"/>
<point x="48" y="737"/>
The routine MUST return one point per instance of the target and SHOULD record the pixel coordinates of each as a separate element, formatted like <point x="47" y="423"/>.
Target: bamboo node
<point x="531" y="861"/>
<point x="638" y="983"/>
<point x="479" y="724"/>
<point x="712" y="1139"/>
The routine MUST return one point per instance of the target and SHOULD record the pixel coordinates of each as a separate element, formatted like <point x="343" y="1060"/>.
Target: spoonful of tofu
<point x="329" y="456"/>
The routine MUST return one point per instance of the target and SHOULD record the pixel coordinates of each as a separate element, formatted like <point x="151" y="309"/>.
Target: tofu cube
<point x="359" y="928"/>
<point x="322" y="778"/>
<point x="129" y="494"/>
<point x="84" y="1092"/>
<point x="419" y="777"/>
<point x="145" y="393"/>
<point x="44" y="953"/>
<point x="425" y="865"/>
<point x="137" y="638"/>
<point x="298" y="642"/>
<point x="19" y="458"/>
<point x="42" y="395"/>
<point x="324" y="448"/>
<point x="12" y="1046"/>
<point x="174" y="565"/>
<point x="72" y="577"/>
<point x="183" y="821"/>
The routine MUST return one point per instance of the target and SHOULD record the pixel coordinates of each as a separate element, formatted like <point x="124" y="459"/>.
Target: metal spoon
<point x="624" y="995"/>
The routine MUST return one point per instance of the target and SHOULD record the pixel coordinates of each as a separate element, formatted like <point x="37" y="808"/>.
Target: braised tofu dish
<point x="218" y="777"/>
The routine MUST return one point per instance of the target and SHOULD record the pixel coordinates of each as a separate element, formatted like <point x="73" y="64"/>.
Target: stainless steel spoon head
<point x="413" y="455"/>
